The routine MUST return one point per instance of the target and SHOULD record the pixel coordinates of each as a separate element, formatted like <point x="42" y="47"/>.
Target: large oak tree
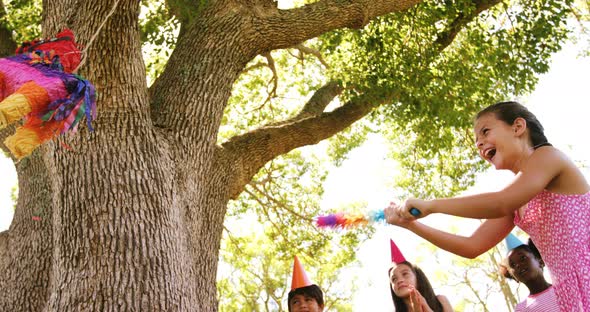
<point x="132" y="214"/>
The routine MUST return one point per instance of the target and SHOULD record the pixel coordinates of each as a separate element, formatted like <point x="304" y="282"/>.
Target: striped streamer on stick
<point x="348" y="220"/>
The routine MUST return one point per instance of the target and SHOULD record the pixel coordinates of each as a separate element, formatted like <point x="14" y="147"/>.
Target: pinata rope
<point x="104" y="21"/>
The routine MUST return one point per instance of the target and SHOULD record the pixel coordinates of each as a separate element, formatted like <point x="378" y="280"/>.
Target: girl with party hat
<point x="304" y="295"/>
<point x="524" y="264"/>
<point x="410" y="289"/>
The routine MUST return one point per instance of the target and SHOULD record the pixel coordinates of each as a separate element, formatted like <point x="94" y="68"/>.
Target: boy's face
<point x="302" y="303"/>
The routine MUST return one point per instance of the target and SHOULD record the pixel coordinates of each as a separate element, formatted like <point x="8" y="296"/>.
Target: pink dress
<point x="559" y="225"/>
<point x="542" y="302"/>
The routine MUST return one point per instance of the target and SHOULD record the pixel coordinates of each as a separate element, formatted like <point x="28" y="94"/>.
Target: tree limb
<point x="274" y="81"/>
<point x="446" y="37"/>
<point x="303" y="49"/>
<point x="255" y="66"/>
<point x="276" y="202"/>
<point x="245" y="154"/>
<point x="320" y="99"/>
<point x="264" y="4"/>
<point x="287" y="28"/>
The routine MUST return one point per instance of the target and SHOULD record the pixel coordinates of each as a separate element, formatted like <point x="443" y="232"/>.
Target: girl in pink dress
<point x="549" y="199"/>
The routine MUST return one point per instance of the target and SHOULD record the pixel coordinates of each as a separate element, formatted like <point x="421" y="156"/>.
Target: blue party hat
<point x="512" y="241"/>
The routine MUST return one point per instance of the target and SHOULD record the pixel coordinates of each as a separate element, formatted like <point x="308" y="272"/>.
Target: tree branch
<point x="303" y="49"/>
<point x="446" y="37"/>
<point x="287" y="28"/>
<point x="255" y="66"/>
<point x="276" y="202"/>
<point x="320" y="99"/>
<point x="258" y="4"/>
<point x="268" y="218"/>
<point x="274" y="81"/>
<point x="245" y="154"/>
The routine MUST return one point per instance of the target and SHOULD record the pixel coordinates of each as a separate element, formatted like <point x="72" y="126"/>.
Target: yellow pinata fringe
<point x="23" y="142"/>
<point x="13" y="108"/>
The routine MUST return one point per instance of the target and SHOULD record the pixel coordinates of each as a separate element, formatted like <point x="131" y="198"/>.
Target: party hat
<point x="300" y="278"/>
<point x="512" y="241"/>
<point x="396" y="254"/>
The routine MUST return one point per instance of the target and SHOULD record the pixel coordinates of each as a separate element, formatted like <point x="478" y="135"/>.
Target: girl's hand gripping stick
<point x="415" y="212"/>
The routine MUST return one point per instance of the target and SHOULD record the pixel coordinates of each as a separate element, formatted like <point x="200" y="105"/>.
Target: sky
<point x="561" y="103"/>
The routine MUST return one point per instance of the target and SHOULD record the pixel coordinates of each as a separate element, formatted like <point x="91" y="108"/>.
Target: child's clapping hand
<point x="417" y="302"/>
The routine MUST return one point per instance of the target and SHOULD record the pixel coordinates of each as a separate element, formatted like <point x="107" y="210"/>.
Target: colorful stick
<point x="348" y="220"/>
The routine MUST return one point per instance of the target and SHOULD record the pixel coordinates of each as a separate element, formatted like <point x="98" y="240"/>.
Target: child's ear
<point x="519" y="126"/>
<point x="541" y="263"/>
<point x="321" y="307"/>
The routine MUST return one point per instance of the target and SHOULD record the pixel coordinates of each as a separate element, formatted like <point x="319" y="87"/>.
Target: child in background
<point x="410" y="289"/>
<point x="549" y="199"/>
<point x="524" y="264"/>
<point x="304" y="296"/>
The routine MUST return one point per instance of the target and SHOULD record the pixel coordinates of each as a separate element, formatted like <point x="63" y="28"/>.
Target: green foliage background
<point x="23" y="18"/>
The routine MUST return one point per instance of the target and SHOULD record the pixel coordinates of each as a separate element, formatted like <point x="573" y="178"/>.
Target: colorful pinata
<point x="38" y="85"/>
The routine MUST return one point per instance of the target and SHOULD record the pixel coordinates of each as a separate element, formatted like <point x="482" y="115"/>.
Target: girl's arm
<point x="486" y="236"/>
<point x="446" y="305"/>
<point x="543" y="166"/>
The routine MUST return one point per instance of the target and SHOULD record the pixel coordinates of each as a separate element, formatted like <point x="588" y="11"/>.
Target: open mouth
<point x="490" y="153"/>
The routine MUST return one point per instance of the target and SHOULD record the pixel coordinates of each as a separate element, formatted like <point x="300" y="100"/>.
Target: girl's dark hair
<point x="529" y="247"/>
<point x="422" y="285"/>
<point x="312" y="291"/>
<point x="509" y="111"/>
